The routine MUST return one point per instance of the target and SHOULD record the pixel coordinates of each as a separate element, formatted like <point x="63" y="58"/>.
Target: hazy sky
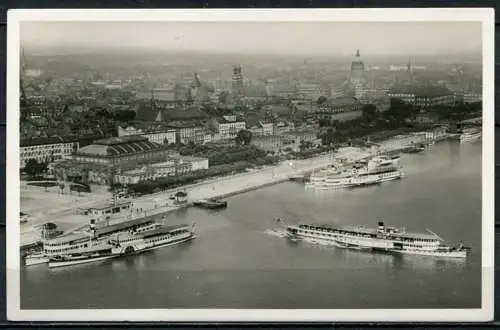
<point x="274" y="37"/>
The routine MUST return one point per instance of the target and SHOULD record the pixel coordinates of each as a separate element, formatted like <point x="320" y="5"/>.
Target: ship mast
<point x="436" y="235"/>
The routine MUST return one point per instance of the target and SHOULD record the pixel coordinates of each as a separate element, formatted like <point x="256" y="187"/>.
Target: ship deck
<point x="161" y="230"/>
<point x="371" y="231"/>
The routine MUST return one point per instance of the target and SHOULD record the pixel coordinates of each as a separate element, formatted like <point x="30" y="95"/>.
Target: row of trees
<point x="399" y="116"/>
<point x="148" y="187"/>
<point x="224" y="154"/>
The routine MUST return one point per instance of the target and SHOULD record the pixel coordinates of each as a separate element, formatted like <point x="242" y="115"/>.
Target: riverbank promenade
<point x="51" y="206"/>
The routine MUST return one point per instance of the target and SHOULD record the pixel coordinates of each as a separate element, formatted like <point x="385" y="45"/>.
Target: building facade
<point x="261" y="129"/>
<point x="121" y="151"/>
<point x="424" y="96"/>
<point x="46" y="150"/>
<point x="472" y="97"/>
<point x="189" y="133"/>
<point x="340" y="109"/>
<point x="160" y="136"/>
<point x="174" y="166"/>
<point x="228" y="127"/>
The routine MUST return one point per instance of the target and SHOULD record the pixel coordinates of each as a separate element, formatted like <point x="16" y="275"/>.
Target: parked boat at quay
<point x="470" y="135"/>
<point x="414" y="149"/>
<point x="84" y="246"/>
<point x="210" y="203"/>
<point x="36" y="258"/>
<point x="374" y="171"/>
<point x="383" y="238"/>
<point x="133" y="240"/>
<point x="131" y="243"/>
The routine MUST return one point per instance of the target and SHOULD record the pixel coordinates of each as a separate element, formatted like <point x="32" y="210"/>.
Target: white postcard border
<point x="14" y="312"/>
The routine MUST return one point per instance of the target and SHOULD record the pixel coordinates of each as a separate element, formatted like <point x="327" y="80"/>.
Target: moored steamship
<point x="374" y="171"/>
<point x="86" y="245"/>
<point x="129" y="243"/>
<point x="383" y="238"/>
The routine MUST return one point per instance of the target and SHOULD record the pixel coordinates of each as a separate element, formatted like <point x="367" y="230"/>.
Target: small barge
<point x="210" y="203"/>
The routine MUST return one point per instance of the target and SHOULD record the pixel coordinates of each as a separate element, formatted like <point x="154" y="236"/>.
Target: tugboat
<point x="210" y="204"/>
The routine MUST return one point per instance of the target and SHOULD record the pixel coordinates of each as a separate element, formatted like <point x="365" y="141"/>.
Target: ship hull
<point x="378" y="246"/>
<point x="469" y="138"/>
<point x="369" y="181"/>
<point x="35" y="261"/>
<point x="66" y="263"/>
<point x="182" y="240"/>
<point x="148" y="246"/>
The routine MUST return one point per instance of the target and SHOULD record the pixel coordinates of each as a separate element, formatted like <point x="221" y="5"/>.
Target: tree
<point x="369" y="111"/>
<point x="125" y="115"/>
<point x="244" y="136"/>
<point x="321" y="100"/>
<point x="323" y="122"/>
<point x="79" y="188"/>
<point x="165" y="141"/>
<point x="33" y="167"/>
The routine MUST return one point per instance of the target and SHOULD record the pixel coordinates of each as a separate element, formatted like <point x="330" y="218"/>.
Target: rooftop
<point x="188" y="158"/>
<point x="45" y="141"/>
<point x="421" y="90"/>
<point x="120" y="146"/>
<point x="120" y="140"/>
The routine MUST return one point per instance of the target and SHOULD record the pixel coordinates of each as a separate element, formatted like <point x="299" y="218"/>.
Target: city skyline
<point x="374" y="38"/>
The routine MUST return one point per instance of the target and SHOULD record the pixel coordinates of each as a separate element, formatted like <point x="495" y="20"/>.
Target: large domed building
<point x="356" y="83"/>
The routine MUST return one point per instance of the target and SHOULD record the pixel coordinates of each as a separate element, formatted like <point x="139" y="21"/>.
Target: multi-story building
<point x="340" y="109"/>
<point x="281" y="127"/>
<point x="310" y="91"/>
<point x="228" y="126"/>
<point x="156" y="135"/>
<point x="423" y="96"/>
<point x="195" y="163"/>
<point x="471" y="97"/>
<point x="261" y="128"/>
<point x="46" y="150"/>
<point x="175" y="166"/>
<point x="121" y="151"/>
<point x="189" y="133"/>
<point x="127" y="159"/>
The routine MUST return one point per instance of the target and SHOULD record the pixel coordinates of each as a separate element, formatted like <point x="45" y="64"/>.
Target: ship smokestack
<point x="381" y="227"/>
<point x="92" y="226"/>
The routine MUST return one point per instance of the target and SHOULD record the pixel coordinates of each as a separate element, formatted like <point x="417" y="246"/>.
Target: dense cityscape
<point x="159" y="117"/>
<point x="260" y="178"/>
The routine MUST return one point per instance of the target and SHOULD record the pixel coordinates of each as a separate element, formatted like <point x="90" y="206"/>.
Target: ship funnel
<point x="381" y="227"/>
<point x="92" y="226"/>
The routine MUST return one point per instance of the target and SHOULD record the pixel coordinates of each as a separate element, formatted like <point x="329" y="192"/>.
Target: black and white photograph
<point x="250" y="165"/>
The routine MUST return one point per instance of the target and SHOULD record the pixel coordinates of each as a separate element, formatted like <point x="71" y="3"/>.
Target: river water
<point x="237" y="262"/>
